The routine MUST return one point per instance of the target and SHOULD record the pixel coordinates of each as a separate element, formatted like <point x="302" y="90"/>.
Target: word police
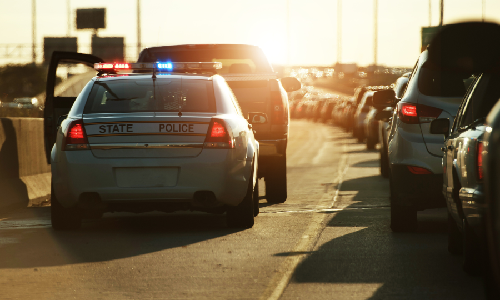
<point x="176" y="127"/>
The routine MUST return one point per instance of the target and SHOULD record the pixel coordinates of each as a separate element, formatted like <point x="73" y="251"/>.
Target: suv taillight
<point x="279" y="115"/>
<point x="412" y="113"/>
<point x="75" y="137"/>
<point x="480" y="160"/>
<point x="219" y="135"/>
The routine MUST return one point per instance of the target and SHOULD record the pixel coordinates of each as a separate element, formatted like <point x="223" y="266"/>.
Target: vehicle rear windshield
<point x="144" y="95"/>
<point x="242" y="61"/>
<point x="438" y="83"/>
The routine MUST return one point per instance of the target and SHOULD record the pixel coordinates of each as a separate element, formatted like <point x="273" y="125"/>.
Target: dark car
<point x="255" y="85"/>
<point x="462" y="165"/>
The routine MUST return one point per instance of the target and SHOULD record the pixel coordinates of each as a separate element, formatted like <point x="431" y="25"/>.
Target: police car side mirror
<point x="383" y="99"/>
<point x="257" y="118"/>
<point x="290" y="84"/>
<point x="440" y="126"/>
<point x="60" y="120"/>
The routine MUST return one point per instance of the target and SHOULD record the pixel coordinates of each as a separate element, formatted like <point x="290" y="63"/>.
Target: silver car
<point x="414" y="153"/>
<point x="163" y="141"/>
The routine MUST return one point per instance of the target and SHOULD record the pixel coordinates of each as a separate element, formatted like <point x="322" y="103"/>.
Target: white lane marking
<point x="309" y="239"/>
<point x="24" y="224"/>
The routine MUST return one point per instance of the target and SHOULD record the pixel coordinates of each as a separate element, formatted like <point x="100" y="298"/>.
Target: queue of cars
<point x="444" y="132"/>
<point x="188" y="127"/>
<point x="439" y="135"/>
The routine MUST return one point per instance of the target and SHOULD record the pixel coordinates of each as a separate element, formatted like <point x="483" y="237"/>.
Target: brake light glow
<point x="418" y="170"/>
<point x="412" y="113"/>
<point x="76" y="137"/>
<point x="218" y="130"/>
<point x="480" y="160"/>
<point x="409" y="110"/>
<point x="219" y="135"/>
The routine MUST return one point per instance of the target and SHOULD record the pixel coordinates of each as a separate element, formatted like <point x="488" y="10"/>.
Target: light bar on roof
<point x="160" y="66"/>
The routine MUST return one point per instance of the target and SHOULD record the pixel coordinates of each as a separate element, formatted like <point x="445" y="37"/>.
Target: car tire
<point x="256" y="208"/>
<point x="370" y="144"/>
<point x="454" y="237"/>
<point x="471" y="262"/>
<point x="403" y="218"/>
<point x="242" y="215"/>
<point x="276" y="188"/>
<point x="384" y="161"/>
<point x="63" y="218"/>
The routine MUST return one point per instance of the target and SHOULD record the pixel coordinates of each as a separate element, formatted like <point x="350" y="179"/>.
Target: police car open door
<point x="68" y="73"/>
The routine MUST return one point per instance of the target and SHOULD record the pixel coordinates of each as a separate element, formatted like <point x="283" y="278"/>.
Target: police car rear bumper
<point x="214" y="170"/>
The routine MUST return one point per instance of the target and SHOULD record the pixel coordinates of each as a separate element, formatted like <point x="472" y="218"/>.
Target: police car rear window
<point x="144" y="95"/>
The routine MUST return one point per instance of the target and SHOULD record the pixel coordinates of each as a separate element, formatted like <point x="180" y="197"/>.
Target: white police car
<point x="173" y="138"/>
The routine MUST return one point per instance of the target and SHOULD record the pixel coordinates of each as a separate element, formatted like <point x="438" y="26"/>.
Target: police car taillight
<point x="219" y="135"/>
<point x="75" y="137"/>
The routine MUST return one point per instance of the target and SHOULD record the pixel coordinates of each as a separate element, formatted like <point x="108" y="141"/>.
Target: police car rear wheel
<point x="242" y="216"/>
<point x="276" y="189"/>
<point x="63" y="218"/>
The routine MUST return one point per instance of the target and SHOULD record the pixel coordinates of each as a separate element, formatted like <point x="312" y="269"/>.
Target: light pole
<point x="441" y="5"/>
<point x="33" y="29"/>
<point x="375" y="31"/>
<point x="339" y="31"/>
<point x="138" y="27"/>
<point x="430" y="13"/>
<point x="288" y="32"/>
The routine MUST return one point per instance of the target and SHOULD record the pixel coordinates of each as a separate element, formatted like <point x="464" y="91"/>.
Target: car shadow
<point x="358" y="247"/>
<point x="115" y="236"/>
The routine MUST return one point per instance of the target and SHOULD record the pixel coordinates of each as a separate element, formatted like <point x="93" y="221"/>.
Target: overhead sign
<point x="51" y="44"/>
<point x="90" y="18"/>
<point x="109" y="48"/>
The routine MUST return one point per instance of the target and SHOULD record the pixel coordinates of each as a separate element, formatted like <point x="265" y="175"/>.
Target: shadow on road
<point x="14" y="194"/>
<point x="358" y="247"/>
<point x="111" y="238"/>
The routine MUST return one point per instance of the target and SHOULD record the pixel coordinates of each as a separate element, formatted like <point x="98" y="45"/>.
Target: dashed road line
<point x="280" y="281"/>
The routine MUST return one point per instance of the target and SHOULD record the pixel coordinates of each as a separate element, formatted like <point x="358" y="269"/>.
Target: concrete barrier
<point x="24" y="172"/>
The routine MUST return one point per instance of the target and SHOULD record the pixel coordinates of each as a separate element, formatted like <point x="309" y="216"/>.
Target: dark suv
<point x="257" y="88"/>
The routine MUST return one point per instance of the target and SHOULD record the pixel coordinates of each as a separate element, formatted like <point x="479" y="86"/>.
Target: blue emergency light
<point x="165" y="66"/>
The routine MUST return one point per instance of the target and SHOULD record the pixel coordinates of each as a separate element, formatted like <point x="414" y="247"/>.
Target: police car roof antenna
<point x="154" y="85"/>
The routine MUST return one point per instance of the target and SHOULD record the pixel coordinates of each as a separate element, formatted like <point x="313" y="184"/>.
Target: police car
<point x="169" y="138"/>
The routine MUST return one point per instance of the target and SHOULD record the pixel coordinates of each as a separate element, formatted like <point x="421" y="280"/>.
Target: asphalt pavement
<point x="330" y="240"/>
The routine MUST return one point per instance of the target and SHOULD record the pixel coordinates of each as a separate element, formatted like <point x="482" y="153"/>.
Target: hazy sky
<point x="312" y="26"/>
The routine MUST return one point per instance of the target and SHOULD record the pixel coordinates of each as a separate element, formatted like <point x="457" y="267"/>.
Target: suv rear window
<point x="438" y="83"/>
<point x="142" y="95"/>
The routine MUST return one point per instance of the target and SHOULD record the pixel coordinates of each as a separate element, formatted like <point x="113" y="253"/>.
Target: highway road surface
<point x="330" y="240"/>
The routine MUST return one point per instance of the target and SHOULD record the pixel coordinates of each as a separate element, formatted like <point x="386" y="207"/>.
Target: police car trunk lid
<point x="146" y="135"/>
